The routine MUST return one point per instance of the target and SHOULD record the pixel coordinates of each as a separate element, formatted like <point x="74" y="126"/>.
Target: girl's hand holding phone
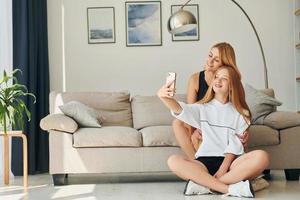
<point x="166" y="91"/>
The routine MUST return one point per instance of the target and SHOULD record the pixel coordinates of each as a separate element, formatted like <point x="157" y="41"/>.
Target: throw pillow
<point x="84" y="115"/>
<point x="260" y="104"/>
<point x="59" y="122"/>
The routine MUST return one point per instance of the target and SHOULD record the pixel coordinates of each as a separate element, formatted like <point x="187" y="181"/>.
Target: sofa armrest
<point x="59" y="122"/>
<point x="282" y="120"/>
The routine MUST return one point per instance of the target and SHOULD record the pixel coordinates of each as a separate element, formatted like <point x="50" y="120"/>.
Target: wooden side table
<point x="6" y="155"/>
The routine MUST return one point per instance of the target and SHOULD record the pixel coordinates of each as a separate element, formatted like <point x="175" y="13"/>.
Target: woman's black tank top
<point x="202" y="86"/>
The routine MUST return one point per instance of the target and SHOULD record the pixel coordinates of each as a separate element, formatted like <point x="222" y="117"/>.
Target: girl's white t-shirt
<point x="219" y="124"/>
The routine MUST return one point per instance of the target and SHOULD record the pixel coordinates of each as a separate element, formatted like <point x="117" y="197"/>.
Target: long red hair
<point x="227" y="56"/>
<point x="236" y="93"/>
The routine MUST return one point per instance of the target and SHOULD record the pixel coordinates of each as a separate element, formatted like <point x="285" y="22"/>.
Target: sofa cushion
<point x="59" y="122"/>
<point x="111" y="136"/>
<point x="84" y="115"/>
<point x="260" y="103"/>
<point x="113" y="108"/>
<point x="281" y="120"/>
<point x="158" y="136"/>
<point x="150" y="111"/>
<point x="261" y="135"/>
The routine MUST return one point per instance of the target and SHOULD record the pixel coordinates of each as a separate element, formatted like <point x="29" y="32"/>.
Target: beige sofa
<point x="137" y="137"/>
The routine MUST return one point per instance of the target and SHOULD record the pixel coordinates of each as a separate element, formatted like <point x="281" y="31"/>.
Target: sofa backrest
<point x="114" y="108"/>
<point x="150" y="111"/>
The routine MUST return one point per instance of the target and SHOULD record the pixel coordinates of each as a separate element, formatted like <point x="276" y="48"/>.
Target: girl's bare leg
<point x="188" y="169"/>
<point x="183" y="137"/>
<point x="247" y="166"/>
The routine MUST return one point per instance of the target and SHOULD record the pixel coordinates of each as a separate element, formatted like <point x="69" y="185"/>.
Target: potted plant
<point x="12" y="107"/>
<point x="12" y="112"/>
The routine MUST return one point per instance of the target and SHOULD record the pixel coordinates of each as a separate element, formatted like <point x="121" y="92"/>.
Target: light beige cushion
<point x="84" y="115"/>
<point x="158" y="136"/>
<point x="259" y="184"/>
<point x="59" y="122"/>
<point x="111" y="136"/>
<point x="269" y="92"/>
<point x="260" y="104"/>
<point x="261" y="135"/>
<point x="282" y="120"/>
<point x="150" y="111"/>
<point x="113" y="108"/>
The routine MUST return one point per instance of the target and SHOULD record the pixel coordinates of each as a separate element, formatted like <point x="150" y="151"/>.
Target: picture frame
<point x="101" y="25"/>
<point x="192" y="35"/>
<point x="143" y="23"/>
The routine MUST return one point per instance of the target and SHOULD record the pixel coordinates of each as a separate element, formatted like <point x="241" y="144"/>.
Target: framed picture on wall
<point x="143" y="23"/>
<point x="192" y="35"/>
<point x="101" y="25"/>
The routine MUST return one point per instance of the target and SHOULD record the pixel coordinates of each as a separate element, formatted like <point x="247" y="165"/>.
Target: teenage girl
<point x="221" y="164"/>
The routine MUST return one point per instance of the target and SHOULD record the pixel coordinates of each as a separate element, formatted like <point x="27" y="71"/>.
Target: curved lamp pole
<point x="182" y="21"/>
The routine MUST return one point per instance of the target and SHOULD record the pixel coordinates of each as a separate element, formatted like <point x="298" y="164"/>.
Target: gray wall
<point x="76" y="65"/>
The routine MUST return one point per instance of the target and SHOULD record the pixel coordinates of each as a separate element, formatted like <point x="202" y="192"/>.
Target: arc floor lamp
<point x="183" y="20"/>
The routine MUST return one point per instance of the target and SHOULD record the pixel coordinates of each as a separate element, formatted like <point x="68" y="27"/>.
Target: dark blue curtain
<point x="30" y="54"/>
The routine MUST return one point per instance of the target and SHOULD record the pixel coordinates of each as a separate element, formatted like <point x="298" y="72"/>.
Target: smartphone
<point x="171" y="76"/>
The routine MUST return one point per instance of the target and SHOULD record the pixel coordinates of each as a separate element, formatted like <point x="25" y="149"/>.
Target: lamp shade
<point x="181" y="21"/>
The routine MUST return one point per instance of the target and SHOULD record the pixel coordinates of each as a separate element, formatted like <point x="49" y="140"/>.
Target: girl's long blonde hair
<point x="236" y="93"/>
<point x="227" y="56"/>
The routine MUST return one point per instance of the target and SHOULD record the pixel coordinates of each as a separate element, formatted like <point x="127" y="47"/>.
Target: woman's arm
<point x="192" y="88"/>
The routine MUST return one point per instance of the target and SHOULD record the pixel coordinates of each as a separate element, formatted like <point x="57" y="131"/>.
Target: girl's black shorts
<point x="212" y="163"/>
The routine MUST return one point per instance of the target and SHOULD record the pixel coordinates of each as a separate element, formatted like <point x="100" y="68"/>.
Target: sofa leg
<point x="267" y="174"/>
<point x="60" y="179"/>
<point x="292" y="174"/>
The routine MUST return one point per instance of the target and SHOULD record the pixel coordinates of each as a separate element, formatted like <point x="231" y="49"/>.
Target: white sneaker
<point x="241" y="189"/>
<point x="192" y="188"/>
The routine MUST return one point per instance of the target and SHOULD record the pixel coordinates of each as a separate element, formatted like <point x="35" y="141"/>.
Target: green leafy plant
<point x="12" y="107"/>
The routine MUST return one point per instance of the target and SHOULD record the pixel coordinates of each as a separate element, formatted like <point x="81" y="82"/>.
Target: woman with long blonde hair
<point x="221" y="163"/>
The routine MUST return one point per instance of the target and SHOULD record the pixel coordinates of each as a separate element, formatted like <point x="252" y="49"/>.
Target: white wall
<point x="76" y="65"/>
<point x="5" y="53"/>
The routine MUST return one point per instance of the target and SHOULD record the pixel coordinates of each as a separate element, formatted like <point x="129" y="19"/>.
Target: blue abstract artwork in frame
<point x="143" y="23"/>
